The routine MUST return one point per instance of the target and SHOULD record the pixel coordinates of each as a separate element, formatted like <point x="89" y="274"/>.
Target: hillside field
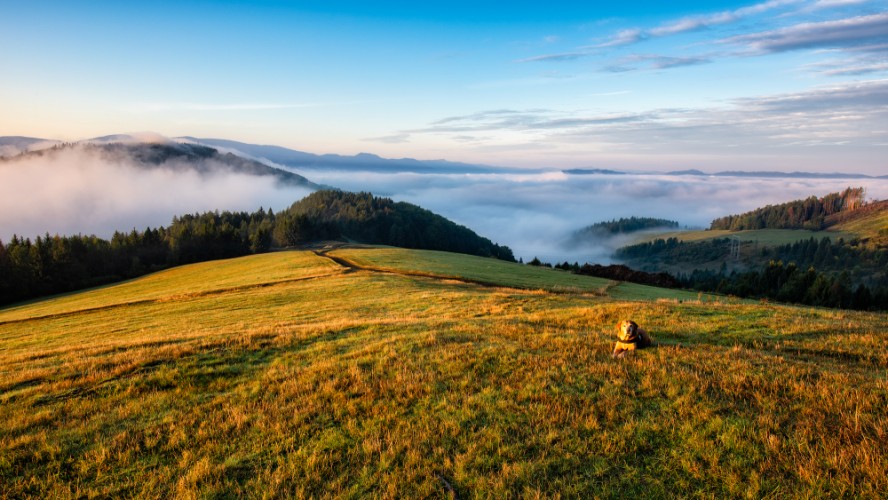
<point x="402" y="373"/>
<point x="869" y="224"/>
<point x="764" y="237"/>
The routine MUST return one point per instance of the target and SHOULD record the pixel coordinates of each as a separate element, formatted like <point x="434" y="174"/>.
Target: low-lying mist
<point x="536" y="214"/>
<point x="77" y="191"/>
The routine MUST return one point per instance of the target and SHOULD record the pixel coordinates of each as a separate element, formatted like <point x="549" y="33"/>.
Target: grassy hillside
<point x="763" y="237"/>
<point x="400" y="373"/>
<point x="869" y="224"/>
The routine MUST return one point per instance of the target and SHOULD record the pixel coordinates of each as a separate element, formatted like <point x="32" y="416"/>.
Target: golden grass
<point x="869" y="225"/>
<point x="379" y="384"/>
<point x="765" y="237"/>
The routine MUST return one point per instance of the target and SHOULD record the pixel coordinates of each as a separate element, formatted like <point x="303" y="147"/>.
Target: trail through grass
<point x="254" y="381"/>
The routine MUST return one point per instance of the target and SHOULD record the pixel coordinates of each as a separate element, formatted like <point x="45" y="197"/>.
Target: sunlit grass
<point x="489" y="271"/>
<point x="872" y="226"/>
<point x="379" y="384"/>
<point x="765" y="237"/>
<point x="205" y="277"/>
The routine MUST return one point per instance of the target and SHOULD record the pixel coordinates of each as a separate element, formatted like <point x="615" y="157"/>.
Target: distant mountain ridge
<point x="369" y="162"/>
<point x="360" y="162"/>
<point x="14" y="145"/>
<point x="729" y="173"/>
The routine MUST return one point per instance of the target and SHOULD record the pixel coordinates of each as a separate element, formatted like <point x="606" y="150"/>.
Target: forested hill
<point x="55" y="264"/>
<point x="366" y="218"/>
<point x="810" y="213"/>
<point x="627" y="225"/>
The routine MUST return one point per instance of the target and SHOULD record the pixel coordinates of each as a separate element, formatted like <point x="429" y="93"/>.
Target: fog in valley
<point x="536" y="214"/>
<point x="81" y="192"/>
<point x="78" y="191"/>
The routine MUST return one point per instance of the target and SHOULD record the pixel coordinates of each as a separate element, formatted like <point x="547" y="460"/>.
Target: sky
<point x="770" y="85"/>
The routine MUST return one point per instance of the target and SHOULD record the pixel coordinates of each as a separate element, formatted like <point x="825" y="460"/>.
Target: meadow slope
<point x="401" y="373"/>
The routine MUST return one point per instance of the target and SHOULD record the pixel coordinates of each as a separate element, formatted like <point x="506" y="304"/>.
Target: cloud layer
<point x="78" y="191"/>
<point x="770" y="27"/>
<point x="838" y="127"/>
<point x="535" y="214"/>
<point x="81" y="192"/>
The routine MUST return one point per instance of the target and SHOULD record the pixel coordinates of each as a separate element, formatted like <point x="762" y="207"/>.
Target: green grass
<point x="765" y="237"/>
<point x="286" y="375"/>
<point x="206" y="277"/>
<point x="490" y="271"/>
<point x="872" y="226"/>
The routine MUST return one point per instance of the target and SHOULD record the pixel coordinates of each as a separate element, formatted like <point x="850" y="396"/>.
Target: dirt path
<point x="352" y="266"/>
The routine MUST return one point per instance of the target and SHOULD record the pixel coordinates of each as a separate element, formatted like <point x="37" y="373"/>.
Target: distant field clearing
<point x="770" y="237"/>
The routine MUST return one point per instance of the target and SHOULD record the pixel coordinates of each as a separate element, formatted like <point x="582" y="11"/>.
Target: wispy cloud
<point x="867" y="32"/>
<point x="864" y="96"/>
<point x="566" y="56"/>
<point x="830" y="4"/>
<point x="664" y="62"/>
<point x="636" y="62"/>
<point x="529" y="120"/>
<point x="847" y="119"/>
<point x="694" y="23"/>
<point x="852" y="65"/>
<point x="625" y="37"/>
<point x="390" y="139"/>
<point x="849" y="32"/>
<point x="863" y="69"/>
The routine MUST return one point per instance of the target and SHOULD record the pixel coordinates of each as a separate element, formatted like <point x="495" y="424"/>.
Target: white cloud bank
<point x="535" y="214"/>
<point x="81" y="192"/>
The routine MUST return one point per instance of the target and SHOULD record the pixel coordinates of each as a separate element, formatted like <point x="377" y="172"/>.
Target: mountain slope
<point x="870" y="223"/>
<point x="811" y="213"/>
<point x="366" y="218"/>
<point x="289" y="374"/>
<point x="359" y="162"/>
<point x="16" y="145"/>
<point x="178" y="157"/>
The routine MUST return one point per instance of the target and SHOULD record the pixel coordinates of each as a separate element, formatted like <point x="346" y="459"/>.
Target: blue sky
<point x="770" y="85"/>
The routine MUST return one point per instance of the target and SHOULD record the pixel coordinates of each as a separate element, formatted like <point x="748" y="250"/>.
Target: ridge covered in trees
<point x="626" y="225"/>
<point x="790" y="283"/>
<point x="57" y="264"/>
<point x="810" y="213"/>
<point x="847" y="274"/>
<point x="370" y="219"/>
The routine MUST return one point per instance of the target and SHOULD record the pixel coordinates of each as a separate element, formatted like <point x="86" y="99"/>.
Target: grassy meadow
<point x="763" y="237"/>
<point x="400" y="373"/>
<point x="870" y="225"/>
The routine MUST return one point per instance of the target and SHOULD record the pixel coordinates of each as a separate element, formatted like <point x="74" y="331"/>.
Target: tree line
<point x="776" y="280"/>
<point x="822" y="272"/>
<point x="811" y="213"/>
<point x="628" y="225"/>
<point x="790" y="283"/>
<point x="57" y="264"/>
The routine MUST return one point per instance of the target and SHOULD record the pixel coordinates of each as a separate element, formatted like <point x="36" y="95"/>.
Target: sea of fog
<point x="534" y="213"/>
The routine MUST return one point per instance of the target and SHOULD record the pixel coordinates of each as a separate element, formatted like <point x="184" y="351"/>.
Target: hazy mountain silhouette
<point x="360" y="162"/>
<point x="180" y="157"/>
